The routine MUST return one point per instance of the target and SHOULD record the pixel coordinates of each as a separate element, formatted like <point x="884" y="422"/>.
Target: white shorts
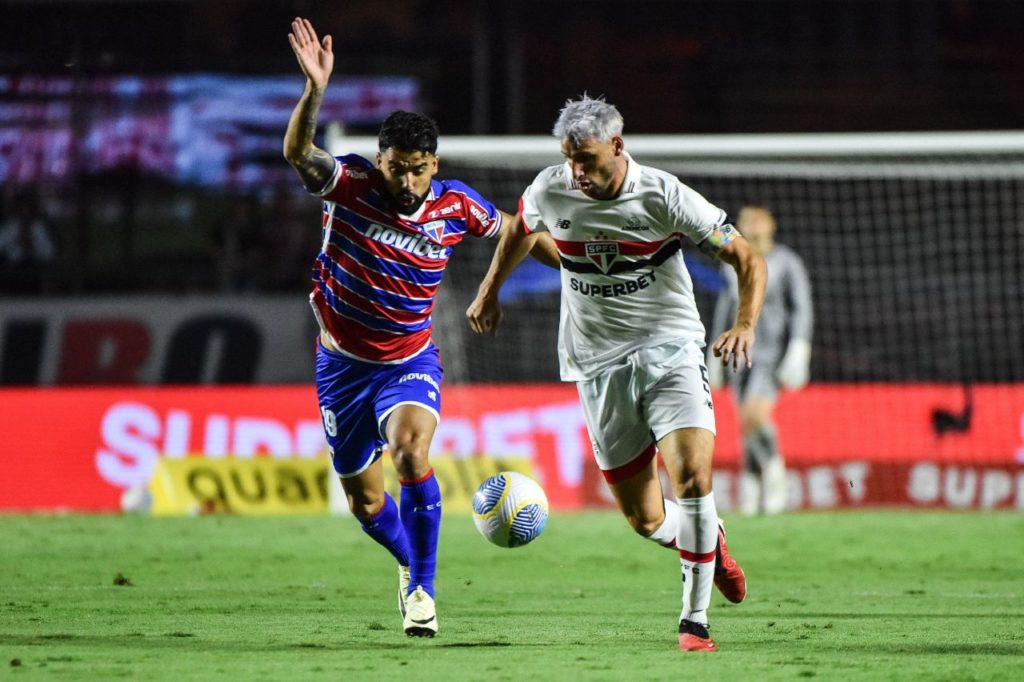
<point x="632" y="405"/>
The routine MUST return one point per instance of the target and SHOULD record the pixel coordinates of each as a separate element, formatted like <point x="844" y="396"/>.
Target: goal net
<point x="914" y="245"/>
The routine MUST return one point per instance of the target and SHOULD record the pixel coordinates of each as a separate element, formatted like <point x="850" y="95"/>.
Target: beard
<point x="593" y="190"/>
<point x="408" y="202"/>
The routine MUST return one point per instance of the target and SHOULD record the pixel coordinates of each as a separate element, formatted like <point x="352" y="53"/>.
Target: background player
<point x="388" y="230"/>
<point x="631" y="338"/>
<point x="783" y="356"/>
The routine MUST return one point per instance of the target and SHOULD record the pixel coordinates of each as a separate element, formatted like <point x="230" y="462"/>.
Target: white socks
<point x="668" y="531"/>
<point x="697" y="540"/>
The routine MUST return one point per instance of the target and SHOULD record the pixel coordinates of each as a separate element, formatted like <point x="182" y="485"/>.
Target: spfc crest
<point x="434" y="230"/>
<point x="602" y="253"/>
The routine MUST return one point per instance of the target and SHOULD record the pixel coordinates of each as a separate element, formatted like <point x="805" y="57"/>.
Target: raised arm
<point x="752" y="275"/>
<point x="484" y="313"/>
<point x="316" y="59"/>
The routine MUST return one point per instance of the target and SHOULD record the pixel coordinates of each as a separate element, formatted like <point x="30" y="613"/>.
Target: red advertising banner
<point x="846" y="445"/>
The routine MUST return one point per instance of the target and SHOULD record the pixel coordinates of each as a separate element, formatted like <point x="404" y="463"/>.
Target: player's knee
<point x="695" y="482"/>
<point x="410" y="456"/>
<point x="752" y="422"/>
<point x="643" y="525"/>
<point x="755" y="416"/>
<point x="365" y="505"/>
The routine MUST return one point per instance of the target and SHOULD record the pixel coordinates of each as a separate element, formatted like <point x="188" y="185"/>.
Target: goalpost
<point x="914" y="243"/>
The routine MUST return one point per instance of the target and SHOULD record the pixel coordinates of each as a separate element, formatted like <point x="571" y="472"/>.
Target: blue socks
<point x="421" y="517"/>
<point x="386" y="528"/>
<point x="411" y="535"/>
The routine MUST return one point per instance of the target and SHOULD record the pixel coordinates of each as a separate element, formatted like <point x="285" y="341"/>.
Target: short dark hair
<point x="408" y="132"/>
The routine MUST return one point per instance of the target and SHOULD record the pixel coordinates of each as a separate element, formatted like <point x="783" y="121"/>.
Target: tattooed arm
<point x="316" y="59"/>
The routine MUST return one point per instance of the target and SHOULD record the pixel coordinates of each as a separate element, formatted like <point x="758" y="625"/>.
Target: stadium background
<point x="144" y="137"/>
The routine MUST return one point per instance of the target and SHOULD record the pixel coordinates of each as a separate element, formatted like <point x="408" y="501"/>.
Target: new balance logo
<point x="562" y="224"/>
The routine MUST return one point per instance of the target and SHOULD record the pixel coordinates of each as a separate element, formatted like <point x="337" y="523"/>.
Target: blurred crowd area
<point x="672" y="66"/>
<point x="504" y="66"/>
<point x="121" y="235"/>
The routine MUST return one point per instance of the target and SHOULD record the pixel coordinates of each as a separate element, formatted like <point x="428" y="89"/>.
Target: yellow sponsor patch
<point x="272" y="486"/>
<point x="234" y="485"/>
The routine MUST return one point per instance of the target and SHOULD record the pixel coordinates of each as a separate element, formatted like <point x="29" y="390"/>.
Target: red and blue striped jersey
<point x="377" y="273"/>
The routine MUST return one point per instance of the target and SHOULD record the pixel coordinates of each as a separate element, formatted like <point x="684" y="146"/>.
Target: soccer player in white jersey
<point x="631" y="338"/>
<point x="782" y="358"/>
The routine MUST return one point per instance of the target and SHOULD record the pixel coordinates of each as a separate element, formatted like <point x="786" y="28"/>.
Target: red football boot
<point x="729" y="578"/>
<point x="694" y="637"/>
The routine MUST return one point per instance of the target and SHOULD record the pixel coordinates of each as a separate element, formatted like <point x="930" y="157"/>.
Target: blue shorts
<point x="356" y="399"/>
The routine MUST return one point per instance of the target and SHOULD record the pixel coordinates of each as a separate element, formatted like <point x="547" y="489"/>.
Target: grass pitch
<point x="851" y="596"/>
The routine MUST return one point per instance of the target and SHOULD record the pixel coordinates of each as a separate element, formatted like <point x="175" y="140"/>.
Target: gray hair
<point x="587" y="118"/>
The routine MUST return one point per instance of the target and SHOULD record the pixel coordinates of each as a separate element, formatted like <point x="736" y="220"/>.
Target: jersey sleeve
<point x="346" y="169"/>
<point x="528" y="208"/>
<point x="690" y="213"/>
<point x="483" y="219"/>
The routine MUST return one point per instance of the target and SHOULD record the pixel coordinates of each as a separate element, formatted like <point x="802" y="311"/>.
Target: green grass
<point x="851" y="596"/>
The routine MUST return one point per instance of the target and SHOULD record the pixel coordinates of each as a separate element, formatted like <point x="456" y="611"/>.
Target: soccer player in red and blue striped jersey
<point x="388" y="230"/>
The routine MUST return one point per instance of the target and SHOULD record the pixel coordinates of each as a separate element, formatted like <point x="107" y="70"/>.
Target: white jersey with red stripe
<point x="377" y="273"/>
<point x="625" y="285"/>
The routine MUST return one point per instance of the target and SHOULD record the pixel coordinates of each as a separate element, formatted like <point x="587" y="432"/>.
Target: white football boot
<point x="403" y="588"/>
<point x="420" y="614"/>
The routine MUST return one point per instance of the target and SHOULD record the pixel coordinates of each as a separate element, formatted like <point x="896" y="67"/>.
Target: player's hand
<point x="315" y="58"/>
<point x="795" y="368"/>
<point x="734" y="346"/>
<point x="484" y="314"/>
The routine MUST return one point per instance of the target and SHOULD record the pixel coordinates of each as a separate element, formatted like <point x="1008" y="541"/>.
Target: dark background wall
<point x="499" y="67"/>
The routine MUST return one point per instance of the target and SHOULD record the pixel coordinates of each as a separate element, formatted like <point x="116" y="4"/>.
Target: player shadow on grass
<point x="185" y="641"/>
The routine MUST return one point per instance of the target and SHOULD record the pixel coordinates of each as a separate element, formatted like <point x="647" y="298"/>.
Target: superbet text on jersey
<point x="624" y="282"/>
<point x="378" y="271"/>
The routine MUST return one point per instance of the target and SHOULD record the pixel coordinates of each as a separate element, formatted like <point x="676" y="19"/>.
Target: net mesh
<point x="916" y="264"/>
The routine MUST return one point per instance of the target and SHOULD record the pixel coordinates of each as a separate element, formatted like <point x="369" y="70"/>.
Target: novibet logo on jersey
<point x="418" y="244"/>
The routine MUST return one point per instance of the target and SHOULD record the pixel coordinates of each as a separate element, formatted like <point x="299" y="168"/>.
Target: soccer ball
<point x="510" y="509"/>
